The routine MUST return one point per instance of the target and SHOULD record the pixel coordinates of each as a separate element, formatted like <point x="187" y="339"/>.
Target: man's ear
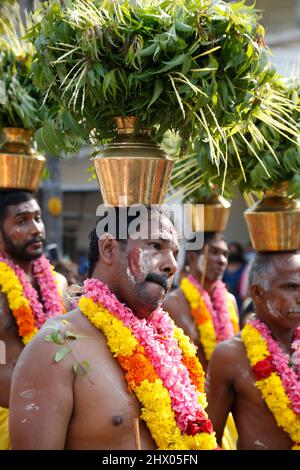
<point x="256" y="292"/>
<point x="108" y="248"/>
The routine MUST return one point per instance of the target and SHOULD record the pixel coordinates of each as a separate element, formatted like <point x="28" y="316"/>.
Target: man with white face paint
<point x="118" y="332"/>
<point x="256" y="374"/>
<point x="202" y="306"/>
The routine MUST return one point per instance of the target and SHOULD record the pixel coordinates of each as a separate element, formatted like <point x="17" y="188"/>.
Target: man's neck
<point x="282" y="335"/>
<point x="206" y="283"/>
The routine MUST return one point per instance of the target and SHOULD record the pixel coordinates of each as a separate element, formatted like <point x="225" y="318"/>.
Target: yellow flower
<point x="233" y="315"/>
<point x="255" y="343"/>
<point x="157" y="413"/>
<point x="184" y="343"/>
<point x="191" y="293"/>
<point x="279" y="404"/>
<point x="271" y="388"/>
<point x="119" y="338"/>
<point x="203" y="441"/>
<point x="207" y="338"/>
<point x="203" y="319"/>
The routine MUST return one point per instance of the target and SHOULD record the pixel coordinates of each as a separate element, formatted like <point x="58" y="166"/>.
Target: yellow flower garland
<point x="271" y="387"/>
<point x="156" y="404"/>
<point x="17" y="302"/>
<point x="203" y="319"/>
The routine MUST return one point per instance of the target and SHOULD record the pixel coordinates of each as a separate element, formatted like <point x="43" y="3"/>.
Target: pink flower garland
<point x="156" y="336"/>
<point x="43" y="274"/>
<point x="218" y="308"/>
<point x="280" y="362"/>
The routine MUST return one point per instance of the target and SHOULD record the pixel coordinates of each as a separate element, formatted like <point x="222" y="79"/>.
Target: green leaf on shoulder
<point x="70" y="335"/>
<point x="81" y="368"/>
<point x="59" y="356"/>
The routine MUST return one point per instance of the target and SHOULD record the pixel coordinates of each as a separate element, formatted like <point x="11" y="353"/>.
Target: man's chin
<point x="32" y="255"/>
<point x="148" y="309"/>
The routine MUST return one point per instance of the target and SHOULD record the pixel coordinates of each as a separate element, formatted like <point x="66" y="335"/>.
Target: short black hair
<point x="93" y="253"/>
<point x="12" y="197"/>
<point x="207" y="238"/>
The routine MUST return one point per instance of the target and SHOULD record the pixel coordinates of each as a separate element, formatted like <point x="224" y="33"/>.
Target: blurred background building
<point x="69" y="200"/>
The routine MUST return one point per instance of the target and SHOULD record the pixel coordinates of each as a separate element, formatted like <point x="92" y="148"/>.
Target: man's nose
<point x="36" y="227"/>
<point x="169" y="265"/>
<point x="223" y="260"/>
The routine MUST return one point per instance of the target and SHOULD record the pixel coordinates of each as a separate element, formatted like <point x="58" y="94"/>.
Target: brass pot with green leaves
<point x="132" y="168"/>
<point x="21" y="166"/>
<point x="274" y="221"/>
<point x="195" y="68"/>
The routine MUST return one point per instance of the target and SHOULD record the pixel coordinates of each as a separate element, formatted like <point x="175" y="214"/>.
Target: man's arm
<point x="41" y="400"/>
<point x="219" y="386"/>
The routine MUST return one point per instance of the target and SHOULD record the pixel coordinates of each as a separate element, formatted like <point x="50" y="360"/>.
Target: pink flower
<point x="218" y="309"/>
<point x="280" y="363"/>
<point x="43" y="274"/>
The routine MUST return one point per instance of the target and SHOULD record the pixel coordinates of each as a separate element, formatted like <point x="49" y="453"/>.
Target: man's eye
<point x="290" y="286"/>
<point x="155" y="245"/>
<point x="21" y="222"/>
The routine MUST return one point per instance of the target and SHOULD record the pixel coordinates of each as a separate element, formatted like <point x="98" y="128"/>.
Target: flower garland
<point x="276" y="380"/>
<point x="160" y="366"/>
<point x="23" y="301"/>
<point x="215" y="316"/>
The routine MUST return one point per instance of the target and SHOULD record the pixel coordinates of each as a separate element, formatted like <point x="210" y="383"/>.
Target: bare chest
<point x="256" y="424"/>
<point x="105" y="412"/>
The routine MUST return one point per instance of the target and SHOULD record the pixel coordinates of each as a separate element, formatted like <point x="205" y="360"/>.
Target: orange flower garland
<point x="20" y="304"/>
<point x="208" y="327"/>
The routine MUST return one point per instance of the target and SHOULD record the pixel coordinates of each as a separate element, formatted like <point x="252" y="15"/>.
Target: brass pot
<point x="274" y="222"/>
<point x="132" y="169"/>
<point x="216" y="214"/>
<point x="20" y="166"/>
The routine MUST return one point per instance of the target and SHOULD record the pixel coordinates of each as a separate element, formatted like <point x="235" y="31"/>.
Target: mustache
<point x="158" y="279"/>
<point x="35" y="240"/>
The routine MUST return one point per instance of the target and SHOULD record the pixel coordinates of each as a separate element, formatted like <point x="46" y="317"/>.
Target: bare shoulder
<point x="39" y="355"/>
<point x="174" y="300"/>
<point x="62" y="281"/>
<point x="227" y="355"/>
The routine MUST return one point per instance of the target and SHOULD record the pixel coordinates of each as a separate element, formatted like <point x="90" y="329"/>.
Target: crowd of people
<point x="133" y="349"/>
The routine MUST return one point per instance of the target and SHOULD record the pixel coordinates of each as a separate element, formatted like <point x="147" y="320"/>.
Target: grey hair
<point x="262" y="267"/>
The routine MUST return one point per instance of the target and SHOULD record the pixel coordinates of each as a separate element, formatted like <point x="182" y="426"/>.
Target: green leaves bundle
<point x="195" y="68"/>
<point x="268" y="157"/>
<point x="20" y="101"/>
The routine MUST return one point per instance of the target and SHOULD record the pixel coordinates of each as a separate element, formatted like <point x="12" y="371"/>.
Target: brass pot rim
<point x="274" y="227"/>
